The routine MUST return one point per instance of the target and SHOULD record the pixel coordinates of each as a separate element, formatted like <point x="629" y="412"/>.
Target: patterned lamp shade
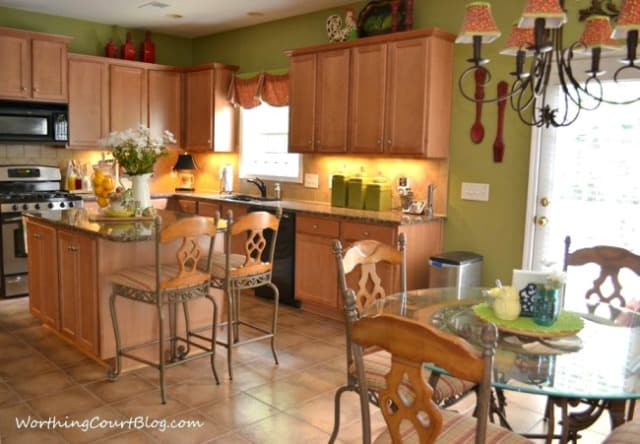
<point x="519" y="38"/>
<point x="550" y="10"/>
<point x="597" y="33"/>
<point x="628" y="20"/>
<point x="478" y="21"/>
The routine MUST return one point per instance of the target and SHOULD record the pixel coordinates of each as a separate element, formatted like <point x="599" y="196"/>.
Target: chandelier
<point x="537" y="44"/>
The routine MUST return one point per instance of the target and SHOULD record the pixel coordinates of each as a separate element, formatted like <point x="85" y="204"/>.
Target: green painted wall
<point x="91" y="37"/>
<point x="495" y="228"/>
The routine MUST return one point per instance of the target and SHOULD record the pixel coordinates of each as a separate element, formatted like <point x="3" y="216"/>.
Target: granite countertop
<point x="394" y="217"/>
<point x="113" y="229"/>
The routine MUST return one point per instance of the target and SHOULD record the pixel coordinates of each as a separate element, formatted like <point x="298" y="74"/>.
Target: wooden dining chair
<point x="169" y="284"/>
<point x="406" y="399"/>
<point x="234" y="272"/>
<point x="370" y="270"/>
<point x="611" y="261"/>
<point x="627" y="433"/>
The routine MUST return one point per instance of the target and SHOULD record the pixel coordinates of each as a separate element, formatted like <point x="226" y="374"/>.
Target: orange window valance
<point x="272" y="89"/>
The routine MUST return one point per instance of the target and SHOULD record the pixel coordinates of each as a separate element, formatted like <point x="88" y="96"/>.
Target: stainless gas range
<point x="22" y="188"/>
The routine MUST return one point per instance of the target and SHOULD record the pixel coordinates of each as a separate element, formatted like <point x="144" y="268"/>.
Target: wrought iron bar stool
<point x="234" y="272"/>
<point x="169" y="284"/>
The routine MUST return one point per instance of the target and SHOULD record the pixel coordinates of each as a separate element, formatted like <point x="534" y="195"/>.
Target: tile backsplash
<point x="421" y="172"/>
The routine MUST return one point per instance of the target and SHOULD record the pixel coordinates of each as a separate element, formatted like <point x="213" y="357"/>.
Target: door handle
<point x="545" y="202"/>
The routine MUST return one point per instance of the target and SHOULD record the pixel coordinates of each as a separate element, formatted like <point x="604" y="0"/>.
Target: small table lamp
<point x="184" y="166"/>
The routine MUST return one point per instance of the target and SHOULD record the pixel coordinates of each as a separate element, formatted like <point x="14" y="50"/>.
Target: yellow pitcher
<point x="506" y="303"/>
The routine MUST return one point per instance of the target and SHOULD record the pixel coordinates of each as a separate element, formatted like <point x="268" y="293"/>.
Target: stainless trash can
<point x="455" y="269"/>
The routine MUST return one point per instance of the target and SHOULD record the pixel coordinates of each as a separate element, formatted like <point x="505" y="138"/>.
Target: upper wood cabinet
<point x="165" y="103"/>
<point x="127" y="97"/>
<point x="319" y="104"/>
<point x="34" y="65"/>
<point x="210" y="117"/>
<point x="398" y="94"/>
<point x="88" y="100"/>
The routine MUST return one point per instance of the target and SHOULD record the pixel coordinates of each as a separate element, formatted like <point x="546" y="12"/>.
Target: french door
<point x="584" y="181"/>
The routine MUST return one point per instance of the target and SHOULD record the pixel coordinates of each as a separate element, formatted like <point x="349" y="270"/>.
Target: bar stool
<point x="169" y="284"/>
<point x="233" y="272"/>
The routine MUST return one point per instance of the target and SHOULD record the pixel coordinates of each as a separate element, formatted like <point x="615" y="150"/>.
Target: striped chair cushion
<point x="235" y="261"/>
<point x="144" y="278"/>
<point x="456" y="429"/>
<point x="625" y="434"/>
<point x="378" y="364"/>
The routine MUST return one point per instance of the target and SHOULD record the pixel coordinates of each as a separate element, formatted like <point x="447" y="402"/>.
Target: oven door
<point x="14" y="256"/>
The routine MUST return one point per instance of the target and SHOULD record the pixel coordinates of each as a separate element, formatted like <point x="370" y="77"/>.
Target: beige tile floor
<point x="41" y="376"/>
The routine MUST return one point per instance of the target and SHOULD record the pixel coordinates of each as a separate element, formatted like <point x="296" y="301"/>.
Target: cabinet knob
<point x="542" y="221"/>
<point x="365" y="234"/>
<point x="379" y="141"/>
<point x="318" y="142"/>
<point x="35" y="90"/>
<point x="24" y="88"/>
<point x="37" y="236"/>
<point x="315" y="226"/>
<point x="72" y="248"/>
<point x="389" y="142"/>
<point x="309" y="143"/>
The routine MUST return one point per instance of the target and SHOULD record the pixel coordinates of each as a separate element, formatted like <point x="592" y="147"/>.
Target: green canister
<point x="378" y="196"/>
<point x="355" y="193"/>
<point x="338" y="190"/>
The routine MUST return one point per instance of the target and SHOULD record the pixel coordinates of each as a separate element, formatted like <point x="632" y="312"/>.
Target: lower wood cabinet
<point x="43" y="287"/>
<point x="316" y="276"/>
<point x="77" y="258"/>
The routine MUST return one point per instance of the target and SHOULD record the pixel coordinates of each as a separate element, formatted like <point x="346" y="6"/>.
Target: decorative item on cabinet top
<point x="385" y="16"/>
<point x="147" y="49"/>
<point x="129" y="49"/>
<point x="337" y="31"/>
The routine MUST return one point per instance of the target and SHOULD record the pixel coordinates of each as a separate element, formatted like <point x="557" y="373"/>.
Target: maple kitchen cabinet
<point x="210" y="118"/>
<point x="165" y="103"/>
<point x="318" y="108"/>
<point x="127" y="97"/>
<point x="398" y="94"/>
<point x="88" y="100"/>
<point x="77" y="280"/>
<point x="43" y="287"/>
<point x="34" y="66"/>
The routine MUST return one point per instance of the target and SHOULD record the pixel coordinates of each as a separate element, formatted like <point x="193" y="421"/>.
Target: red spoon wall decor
<point x="498" y="144"/>
<point x="477" y="130"/>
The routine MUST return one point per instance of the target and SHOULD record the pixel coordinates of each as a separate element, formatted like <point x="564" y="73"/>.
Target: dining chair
<point x="234" y="272"/>
<point x="169" y="283"/>
<point x="406" y="400"/>
<point x="376" y="269"/>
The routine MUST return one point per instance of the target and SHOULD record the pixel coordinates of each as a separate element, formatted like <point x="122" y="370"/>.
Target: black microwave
<point x="34" y="122"/>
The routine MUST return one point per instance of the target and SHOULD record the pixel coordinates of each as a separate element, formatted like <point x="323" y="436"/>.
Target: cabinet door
<point x="316" y="276"/>
<point x="224" y="113"/>
<point x="198" y="110"/>
<point x="368" y="83"/>
<point x="332" y="101"/>
<point x="15" y="75"/>
<point x="43" y="284"/>
<point x="407" y="94"/>
<point x="165" y="103"/>
<point x="127" y="97"/>
<point x="88" y="102"/>
<point x="208" y="208"/>
<point x="78" y="289"/>
<point x="49" y="70"/>
<point x="187" y="206"/>
<point x="302" y="103"/>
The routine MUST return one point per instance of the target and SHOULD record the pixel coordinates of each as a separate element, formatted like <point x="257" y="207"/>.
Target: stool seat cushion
<point x="625" y="434"/>
<point x="456" y="429"/>
<point x="144" y="278"/>
<point x="378" y="364"/>
<point x="219" y="263"/>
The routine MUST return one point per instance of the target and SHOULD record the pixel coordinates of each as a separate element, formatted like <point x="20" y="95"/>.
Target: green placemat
<point x="568" y="323"/>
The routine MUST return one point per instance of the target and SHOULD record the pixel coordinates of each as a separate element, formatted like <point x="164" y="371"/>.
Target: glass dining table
<point x="594" y="370"/>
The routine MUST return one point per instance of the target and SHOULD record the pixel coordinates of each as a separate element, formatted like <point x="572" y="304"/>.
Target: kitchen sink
<point x="248" y="198"/>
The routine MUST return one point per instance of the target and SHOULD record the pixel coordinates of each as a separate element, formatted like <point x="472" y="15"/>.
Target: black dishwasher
<point x="283" y="260"/>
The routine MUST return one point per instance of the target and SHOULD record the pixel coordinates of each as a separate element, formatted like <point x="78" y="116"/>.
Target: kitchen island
<point x="71" y="259"/>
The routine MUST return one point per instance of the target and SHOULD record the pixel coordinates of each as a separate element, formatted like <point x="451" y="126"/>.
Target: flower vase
<point x="546" y="306"/>
<point x="141" y="191"/>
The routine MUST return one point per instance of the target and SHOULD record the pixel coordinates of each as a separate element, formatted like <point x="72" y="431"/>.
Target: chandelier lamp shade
<point x="536" y="42"/>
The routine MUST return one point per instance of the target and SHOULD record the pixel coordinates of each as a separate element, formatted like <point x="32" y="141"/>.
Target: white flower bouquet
<point x="136" y="150"/>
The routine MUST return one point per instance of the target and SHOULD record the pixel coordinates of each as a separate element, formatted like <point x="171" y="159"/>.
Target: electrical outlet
<point x="310" y="180"/>
<point x="475" y="191"/>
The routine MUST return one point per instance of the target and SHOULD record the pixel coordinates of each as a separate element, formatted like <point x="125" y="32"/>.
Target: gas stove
<point x="38" y="200"/>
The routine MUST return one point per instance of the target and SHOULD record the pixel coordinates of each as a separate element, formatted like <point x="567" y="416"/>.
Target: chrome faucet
<point x="260" y="184"/>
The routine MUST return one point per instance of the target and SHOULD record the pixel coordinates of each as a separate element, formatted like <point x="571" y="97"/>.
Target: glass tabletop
<point x="601" y="361"/>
